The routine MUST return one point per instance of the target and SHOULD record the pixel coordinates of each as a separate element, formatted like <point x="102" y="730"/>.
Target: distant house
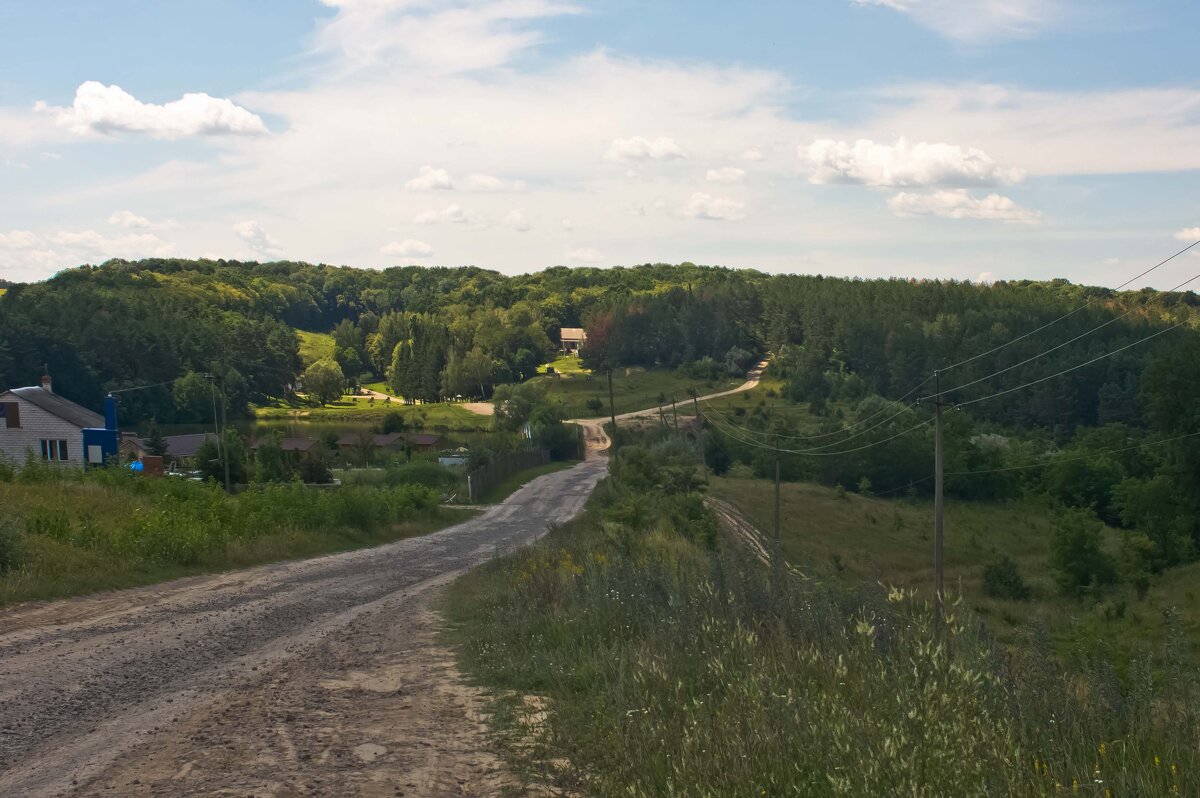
<point x="571" y="339"/>
<point x="302" y="445"/>
<point x="181" y="449"/>
<point x="422" y="441"/>
<point x="349" y="442"/>
<point x="40" y="421"/>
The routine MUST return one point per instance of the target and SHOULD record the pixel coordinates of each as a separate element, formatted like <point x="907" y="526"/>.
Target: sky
<point x="967" y="139"/>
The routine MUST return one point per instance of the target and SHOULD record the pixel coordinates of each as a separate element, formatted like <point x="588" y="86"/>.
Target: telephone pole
<point x="700" y="433"/>
<point x="775" y="556"/>
<point x="674" y="413"/>
<point x="938" y="507"/>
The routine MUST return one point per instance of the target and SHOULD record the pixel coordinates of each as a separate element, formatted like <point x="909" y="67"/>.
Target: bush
<point x="424" y="473"/>
<point x="1002" y="580"/>
<point x="10" y="543"/>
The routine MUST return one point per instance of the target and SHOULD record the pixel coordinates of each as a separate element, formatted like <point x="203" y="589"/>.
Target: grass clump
<point x="636" y="654"/>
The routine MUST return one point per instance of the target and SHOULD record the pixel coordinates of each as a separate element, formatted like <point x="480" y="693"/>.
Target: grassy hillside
<point x="855" y="539"/>
<point x="314" y="346"/>
<point x="633" y="389"/>
<point x="357" y="408"/>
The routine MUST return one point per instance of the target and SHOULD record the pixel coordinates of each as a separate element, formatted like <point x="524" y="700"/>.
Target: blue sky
<point x="985" y="139"/>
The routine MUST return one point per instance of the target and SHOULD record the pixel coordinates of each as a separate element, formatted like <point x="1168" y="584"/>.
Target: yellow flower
<point x="1102" y="749"/>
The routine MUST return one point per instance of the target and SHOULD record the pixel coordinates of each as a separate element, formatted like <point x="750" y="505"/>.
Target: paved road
<point x="84" y="681"/>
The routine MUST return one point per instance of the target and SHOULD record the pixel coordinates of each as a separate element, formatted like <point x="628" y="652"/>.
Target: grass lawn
<point x="853" y="539"/>
<point x="378" y="387"/>
<point x="633" y="389"/>
<point x="314" y="346"/>
<point x="567" y="364"/>
<point x="358" y="408"/>
<point x="502" y="490"/>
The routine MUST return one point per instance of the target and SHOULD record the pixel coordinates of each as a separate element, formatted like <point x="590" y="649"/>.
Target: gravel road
<point x="89" y="686"/>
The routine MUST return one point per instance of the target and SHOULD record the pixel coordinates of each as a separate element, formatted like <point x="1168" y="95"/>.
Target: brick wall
<point x="37" y="424"/>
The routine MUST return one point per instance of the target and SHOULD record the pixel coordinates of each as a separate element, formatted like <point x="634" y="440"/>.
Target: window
<point x="10" y="415"/>
<point x="54" y="450"/>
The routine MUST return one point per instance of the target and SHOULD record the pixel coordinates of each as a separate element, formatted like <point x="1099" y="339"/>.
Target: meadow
<point x="638" y="652"/>
<point x="441" y="416"/>
<point x="633" y="389"/>
<point x="64" y="533"/>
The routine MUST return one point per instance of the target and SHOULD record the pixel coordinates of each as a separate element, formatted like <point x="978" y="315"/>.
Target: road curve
<point x="83" y="681"/>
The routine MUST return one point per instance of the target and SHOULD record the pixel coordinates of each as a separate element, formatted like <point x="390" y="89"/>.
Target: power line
<point x="1057" y="460"/>
<point x="732" y="432"/>
<point x="1101" y="326"/>
<point x="1085" y="305"/>
<point x="827" y="445"/>
<point x="1073" y="368"/>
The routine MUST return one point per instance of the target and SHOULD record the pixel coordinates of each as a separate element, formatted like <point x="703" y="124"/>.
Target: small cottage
<point x="37" y="420"/>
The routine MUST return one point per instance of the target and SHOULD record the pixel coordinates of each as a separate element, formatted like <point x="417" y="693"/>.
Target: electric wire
<point x="824" y="446"/>
<point x="732" y="432"/>
<point x="1027" y="360"/>
<point x="1085" y="305"/>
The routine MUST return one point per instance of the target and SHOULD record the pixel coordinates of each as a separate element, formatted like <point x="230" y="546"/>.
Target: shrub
<point x="1002" y="580"/>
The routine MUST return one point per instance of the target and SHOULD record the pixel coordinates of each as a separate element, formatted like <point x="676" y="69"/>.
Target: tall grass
<point x="635" y="658"/>
<point x="66" y="532"/>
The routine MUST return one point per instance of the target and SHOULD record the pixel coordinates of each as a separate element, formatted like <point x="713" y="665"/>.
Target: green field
<point x="856" y="539"/>
<point x="633" y="389"/>
<point x="567" y="364"/>
<point x="358" y="408"/>
<point x="314" y="346"/>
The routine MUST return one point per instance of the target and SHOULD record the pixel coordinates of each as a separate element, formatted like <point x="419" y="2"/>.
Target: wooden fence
<point x="484" y="478"/>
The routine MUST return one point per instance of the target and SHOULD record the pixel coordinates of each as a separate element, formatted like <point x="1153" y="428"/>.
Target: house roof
<point x="289" y="444"/>
<point x="572" y="334"/>
<point x="56" y="405"/>
<point x="183" y="445"/>
<point x="355" y="439"/>
<point x="423" y="439"/>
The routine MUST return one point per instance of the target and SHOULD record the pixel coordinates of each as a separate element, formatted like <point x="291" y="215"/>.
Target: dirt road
<point x="319" y="677"/>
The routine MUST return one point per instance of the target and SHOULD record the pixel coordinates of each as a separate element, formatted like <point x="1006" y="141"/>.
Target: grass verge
<point x="502" y="490"/>
<point x="69" y="538"/>
<point x="633" y="653"/>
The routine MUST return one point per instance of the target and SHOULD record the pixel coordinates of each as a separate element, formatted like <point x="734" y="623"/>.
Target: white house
<point x="40" y="421"/>
<point x="571" y="339"/>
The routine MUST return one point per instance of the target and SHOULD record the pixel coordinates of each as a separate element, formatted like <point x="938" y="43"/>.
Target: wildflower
<point x="1102" y="749"/>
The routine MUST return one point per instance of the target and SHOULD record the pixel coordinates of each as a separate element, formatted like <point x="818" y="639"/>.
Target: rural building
<point x="422" y="441"/>
<point x="40" y="421"/>
<point x="349" y="442"/>
<point x="181" y="449"/>
<point x="571" y="339"/>
<point x="302" y="445"/>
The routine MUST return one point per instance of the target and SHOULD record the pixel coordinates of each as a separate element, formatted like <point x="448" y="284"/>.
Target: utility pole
<point x="938" y="506"/>
<point x="775" y="557"/>
<point x="612" y="411"/>
<point x="674" y="413"/>
<point x="225" y="429"/>
<point x="700" y="433"/>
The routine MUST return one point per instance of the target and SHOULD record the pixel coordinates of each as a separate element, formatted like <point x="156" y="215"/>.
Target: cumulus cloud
<point x="110" y="109"/>
<point x="47" y="252"/>
<point x="132" y="221"/>
<point x="430" y="179"/>
<point x="752" y="155"/>
<point x="1188" y="234"/>
<point x="725" y="174"/>
<point x="585" y="255"/>
<point x="480" y="182"/>
<point x="517" y="220"/>
<point x="979" y="21"/>
<point x="451" y="214"/>
<point x="408" y="248"/>
<point x="868" y="163"/>
<point x="959" y="204"/>
<point x="640" y="148"/>
<point x="985" y="278"/>
<point x="706" y="206"/>
<point x="257" y="238"/>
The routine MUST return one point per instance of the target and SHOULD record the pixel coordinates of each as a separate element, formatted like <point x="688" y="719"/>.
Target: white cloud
<point x="451" y="214"/>
<point x="257" y="238"/>
<point x="1188" y="234"/>
<point x="568" y="225"/>
<point x="726" y="174"/>
<point x="408" y="248"/>
<point x="517" y="220"/>
<point x="36" y="254"/>
<point x="902" y="164"/>
<point x="110" y="109"/>
<point x="980" y="21"/>
<point x="752" y="155"/>
<point x="132" y="221"/>
<point x="480" y="182"/>
<point x="706" y="206"/>
<point x="640" y="148"/>
<point x="585" y="255"/>
<point x="433" y="36"/>
<point x="985" y="278"/>
<point x="959" y="204"/>
<point x="431" y="179"/>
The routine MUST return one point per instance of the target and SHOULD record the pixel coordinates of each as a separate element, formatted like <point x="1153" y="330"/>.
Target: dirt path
<point x="318" y="677"/>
